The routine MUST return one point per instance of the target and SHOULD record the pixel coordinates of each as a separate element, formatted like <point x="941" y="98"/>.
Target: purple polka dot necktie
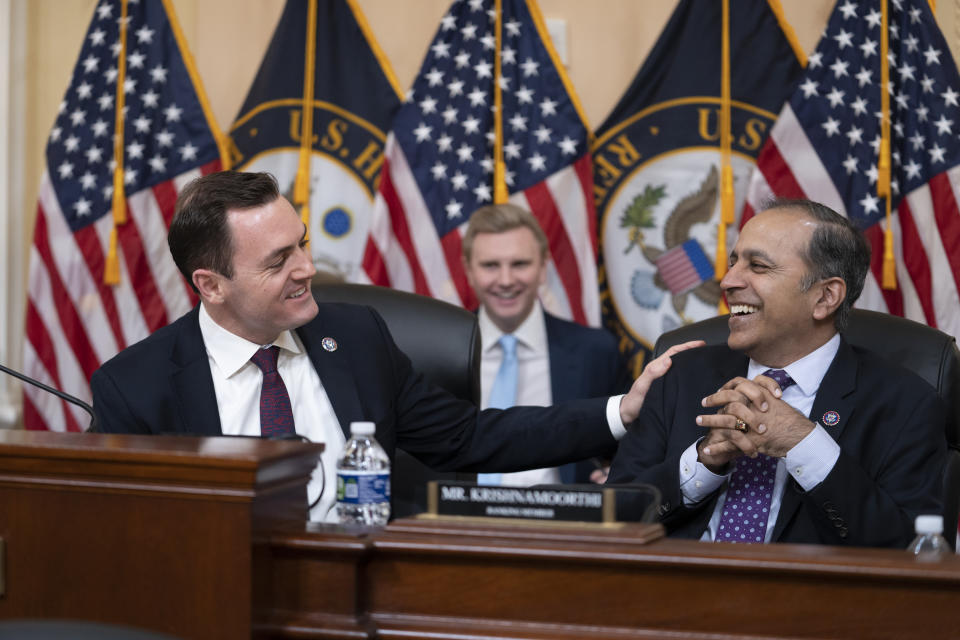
<point x="750" y="490"/>
<point x="276" y="415"/>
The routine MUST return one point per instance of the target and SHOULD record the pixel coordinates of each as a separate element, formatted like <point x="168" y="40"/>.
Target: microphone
<point x="60" y="394"/>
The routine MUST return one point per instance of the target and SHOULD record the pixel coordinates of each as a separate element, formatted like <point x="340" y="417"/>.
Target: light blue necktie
<point x="503" y="395"/>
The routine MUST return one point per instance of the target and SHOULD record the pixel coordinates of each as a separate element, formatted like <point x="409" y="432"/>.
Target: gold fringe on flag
<point x="301" y="189"/>
<point x="726" y="169"/>
<point x="111" y="268"/>
<point x="889" y="271"/>
<point x="500" y="193"/>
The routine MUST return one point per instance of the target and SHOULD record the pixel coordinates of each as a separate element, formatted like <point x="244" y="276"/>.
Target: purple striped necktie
<point x="276" y="414"/>
<point x="750" y="490"/>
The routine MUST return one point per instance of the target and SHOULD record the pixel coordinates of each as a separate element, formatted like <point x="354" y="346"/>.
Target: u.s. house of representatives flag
<point x="75" y="321"/>
<point x="657" y="163"/>
<point x="440" y="159"/>
<point x="825" y="147"/>
<point x="354" y="97"/>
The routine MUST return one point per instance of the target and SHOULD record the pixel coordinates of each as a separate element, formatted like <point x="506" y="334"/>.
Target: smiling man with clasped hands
<point x="787" y="433"/>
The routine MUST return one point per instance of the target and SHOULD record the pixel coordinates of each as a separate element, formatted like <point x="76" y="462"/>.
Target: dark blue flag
<point x="354" y="98"/>
<point x="657" y="160"/>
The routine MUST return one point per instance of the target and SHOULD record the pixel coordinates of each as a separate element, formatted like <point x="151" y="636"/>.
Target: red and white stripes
<point x="405" y="252"/>
<point x="926" y="227"/>
<point x="74" y="321"/>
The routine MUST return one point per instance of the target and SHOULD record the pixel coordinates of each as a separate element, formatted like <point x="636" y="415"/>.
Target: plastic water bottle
<point x="363" y="479"/>
<point x="929" y="543"/>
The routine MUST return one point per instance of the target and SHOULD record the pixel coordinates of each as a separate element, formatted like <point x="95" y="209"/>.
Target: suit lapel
<point x="335" y="373"/>
<point x="192" y="382"/>
<point x="564" y="375"/>
<point x="733" y="367"/>
<point x="835" y="396"/>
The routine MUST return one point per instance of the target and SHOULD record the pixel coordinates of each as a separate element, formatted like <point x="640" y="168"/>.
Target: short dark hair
<point x="498" y="218"/>
<point x="837" y="249"/>
<point x="199" y="237"/>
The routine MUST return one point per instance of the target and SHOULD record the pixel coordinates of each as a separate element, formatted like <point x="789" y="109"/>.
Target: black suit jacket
<point x="891" y="435"/>
<point x="163" y="385"/>
<point x="584" y="363"/>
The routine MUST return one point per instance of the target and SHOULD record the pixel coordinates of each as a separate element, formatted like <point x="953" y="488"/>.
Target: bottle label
<point x="363" y="487"/>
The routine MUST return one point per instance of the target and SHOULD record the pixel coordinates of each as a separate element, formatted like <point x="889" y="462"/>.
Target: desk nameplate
<point x="468" y="500"/>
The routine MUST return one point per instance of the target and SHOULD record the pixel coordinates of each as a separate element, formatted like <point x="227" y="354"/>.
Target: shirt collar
<point x="808" y="371"/>
<point x="532" y="332"/>
<point x="230" y="351"/>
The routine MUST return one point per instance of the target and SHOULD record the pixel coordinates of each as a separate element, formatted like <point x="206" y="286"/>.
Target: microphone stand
<point x="60" y="394"/>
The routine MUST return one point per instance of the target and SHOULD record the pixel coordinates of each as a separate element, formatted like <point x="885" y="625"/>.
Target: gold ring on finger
<point x="742" y="426"/>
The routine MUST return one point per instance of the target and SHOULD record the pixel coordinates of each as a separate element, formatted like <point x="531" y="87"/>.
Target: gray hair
<point x="837" y="249"/>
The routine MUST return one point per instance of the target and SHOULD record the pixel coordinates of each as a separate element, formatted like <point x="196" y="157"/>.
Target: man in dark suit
<point x="788" y="434"/>
<point x="505" y="256"/>
<point x="258" y="356"/>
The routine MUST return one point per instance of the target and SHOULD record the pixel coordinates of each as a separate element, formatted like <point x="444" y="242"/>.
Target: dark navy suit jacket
<point x="584" y="363"/>
<point x="891" y="436"/>
<point x="163" y="385"/>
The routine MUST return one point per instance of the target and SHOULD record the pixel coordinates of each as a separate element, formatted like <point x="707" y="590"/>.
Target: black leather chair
<point x="931" y="354"/>
<point x="443" y="343"/>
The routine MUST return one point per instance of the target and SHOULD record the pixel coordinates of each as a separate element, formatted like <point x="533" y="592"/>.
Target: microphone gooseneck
<point x="60" y="394"/>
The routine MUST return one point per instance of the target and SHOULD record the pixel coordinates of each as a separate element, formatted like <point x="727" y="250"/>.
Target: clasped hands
<point x="752" y="419"/>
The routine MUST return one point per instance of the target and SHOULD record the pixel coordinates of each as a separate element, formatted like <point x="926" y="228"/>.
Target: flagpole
<point x="889" y="272"/>
<point x="726" y="169"/>
<point x="111" y="268"/>
<point x="500" y="193"/>
<point x="301" y="189"/>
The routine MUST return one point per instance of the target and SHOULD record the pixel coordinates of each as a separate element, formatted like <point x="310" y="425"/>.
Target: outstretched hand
<point x="631" y="403"/>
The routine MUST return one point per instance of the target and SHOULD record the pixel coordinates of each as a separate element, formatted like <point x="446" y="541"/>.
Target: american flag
<point x="439" y="164"/>
<point x="825" y="145"/>
<point x="684" y="267"/>
<point x="75" y="321"/>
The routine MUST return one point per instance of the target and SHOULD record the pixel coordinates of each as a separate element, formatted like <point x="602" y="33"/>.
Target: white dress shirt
<point x="237" y="382"/>
<point x="533" y="378"/>
<point x="533" y="381"/>
<point x="808" y="462"/>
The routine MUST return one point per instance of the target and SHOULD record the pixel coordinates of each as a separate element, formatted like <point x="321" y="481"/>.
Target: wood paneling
<point x="153" y="532"/>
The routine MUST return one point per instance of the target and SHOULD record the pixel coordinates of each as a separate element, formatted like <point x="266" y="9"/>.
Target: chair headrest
<point x="931" y="354"/>
<point x="441" y="340"/>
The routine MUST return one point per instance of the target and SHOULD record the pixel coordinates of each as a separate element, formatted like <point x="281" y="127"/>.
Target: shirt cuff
<point x="696" y="481"/>
<point x="617" y="430"/>
<point x="813" y="458"/>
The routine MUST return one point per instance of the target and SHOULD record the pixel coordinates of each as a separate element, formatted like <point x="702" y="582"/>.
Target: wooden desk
<point x="153" y="532"/>
<point x="199" y="538"/>
<point x="429" y="579"/>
